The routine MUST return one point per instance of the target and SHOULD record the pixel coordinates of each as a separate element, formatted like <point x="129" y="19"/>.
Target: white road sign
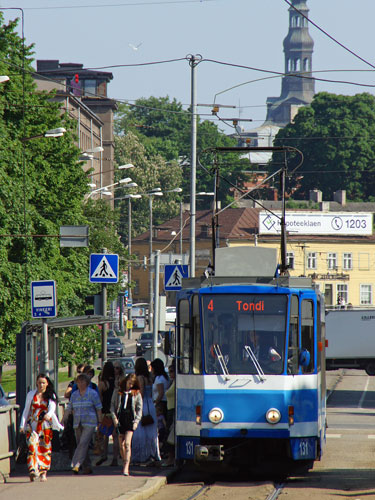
<point x="339" y="223"/>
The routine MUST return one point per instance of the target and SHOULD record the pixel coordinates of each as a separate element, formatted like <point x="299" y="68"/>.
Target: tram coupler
<point x="208" y="453"/>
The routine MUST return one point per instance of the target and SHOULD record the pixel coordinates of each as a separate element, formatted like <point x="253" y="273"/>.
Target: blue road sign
<point x="103" y="268"/>
<point x="43" y="299"/>
<point x="173" y="275"/>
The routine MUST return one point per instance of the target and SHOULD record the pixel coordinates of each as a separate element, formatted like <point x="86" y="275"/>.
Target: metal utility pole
<point x="104" y="326"/>
<point x="150" y="282"/>
<point x="156" y="309"/>
<point x="193" y="61"/>
<point x="45" y="350"/>
<point x="130" y="299"/>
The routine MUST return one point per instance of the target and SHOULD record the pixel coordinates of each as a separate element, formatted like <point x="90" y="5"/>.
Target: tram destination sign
<point x="339" y="223"/>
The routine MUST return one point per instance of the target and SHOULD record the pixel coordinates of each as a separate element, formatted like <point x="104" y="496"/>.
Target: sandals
<point x="33" y="475"/>
<point x="43" y="477"/>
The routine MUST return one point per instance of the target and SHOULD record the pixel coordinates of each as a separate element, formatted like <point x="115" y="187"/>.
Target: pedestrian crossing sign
<point x="104" y="268"/>
<point x="173" y="275"/>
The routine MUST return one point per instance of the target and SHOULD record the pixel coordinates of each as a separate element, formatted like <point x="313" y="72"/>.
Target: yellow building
<point x="341" y="266"/>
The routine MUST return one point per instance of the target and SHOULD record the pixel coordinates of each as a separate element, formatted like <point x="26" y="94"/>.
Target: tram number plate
<point x="186" y="447"/>
<point x="303" y="448"/>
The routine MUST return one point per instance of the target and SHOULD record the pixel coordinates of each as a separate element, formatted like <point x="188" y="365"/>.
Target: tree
<point x="150" y="172"/>
<point x="163" y="128"/>
<point x="336" y="135"/>
<point x="42" y="187"/>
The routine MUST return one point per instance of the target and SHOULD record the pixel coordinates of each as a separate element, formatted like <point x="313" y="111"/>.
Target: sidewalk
<point x="106" y="483"/>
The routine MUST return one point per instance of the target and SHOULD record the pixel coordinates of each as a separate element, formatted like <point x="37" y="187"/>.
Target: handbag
<point x="106" y="426"/>
<point x="22" y="450"/>
<point x="147" y="419"/>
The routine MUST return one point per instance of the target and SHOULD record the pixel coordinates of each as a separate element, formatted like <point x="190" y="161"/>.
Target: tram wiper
<point x="255" y="362"/>
<point x="220" y="358"/>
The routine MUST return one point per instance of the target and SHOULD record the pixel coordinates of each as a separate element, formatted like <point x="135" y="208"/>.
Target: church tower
<point x="298" y="50"/>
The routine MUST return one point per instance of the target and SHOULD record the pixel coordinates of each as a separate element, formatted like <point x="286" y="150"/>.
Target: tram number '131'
<point x="186" y="446"/>
<point x="303" y="448"/>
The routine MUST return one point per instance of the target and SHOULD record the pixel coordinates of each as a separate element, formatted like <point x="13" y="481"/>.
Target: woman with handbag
<point x="38" y="421"/>
<point x="126" y="409"/>
<point x="106" y="387"/>
<point x="145" y="443"/>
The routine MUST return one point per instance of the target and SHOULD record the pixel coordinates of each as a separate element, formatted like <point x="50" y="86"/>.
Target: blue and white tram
<point x="250" y="382"/>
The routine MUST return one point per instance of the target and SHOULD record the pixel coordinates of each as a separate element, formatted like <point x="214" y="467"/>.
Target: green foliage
<point x="336" y="135"/>
<point x="155" y="135"/>
<point x="42" y="186"/>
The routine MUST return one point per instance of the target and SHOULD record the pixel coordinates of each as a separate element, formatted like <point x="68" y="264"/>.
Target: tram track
<point x="219" y="491"/>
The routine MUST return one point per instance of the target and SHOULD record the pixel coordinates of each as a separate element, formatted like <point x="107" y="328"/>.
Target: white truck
<point x="351" y="339"/>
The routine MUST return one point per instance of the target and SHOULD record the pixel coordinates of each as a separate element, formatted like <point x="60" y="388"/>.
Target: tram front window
<point x="244" y="334"/>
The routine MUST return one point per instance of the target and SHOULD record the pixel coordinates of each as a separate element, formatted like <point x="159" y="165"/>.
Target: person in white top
<point x="38" y="421"/>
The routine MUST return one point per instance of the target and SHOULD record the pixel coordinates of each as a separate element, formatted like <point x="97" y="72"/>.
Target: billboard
<point x="319" y="223"/>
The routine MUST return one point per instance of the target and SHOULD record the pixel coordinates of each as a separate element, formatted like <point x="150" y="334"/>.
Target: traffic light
<point x="76" y="78"/>
<point x="96" y="302"/>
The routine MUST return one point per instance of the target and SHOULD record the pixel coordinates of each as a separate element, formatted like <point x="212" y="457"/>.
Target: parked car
<point x="115" y="348"/>
<point x="127" y="363"/>
<point x="144" y="343"/>
<point x="170" y="314"/>
<point x="5" y="398"/>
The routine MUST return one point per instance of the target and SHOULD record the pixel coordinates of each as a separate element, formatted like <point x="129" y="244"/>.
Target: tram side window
<point x="293" y="337"/>
<point x="197" y="347"/>
<point x="307" y="332"/>
<point x="184" y="337"/>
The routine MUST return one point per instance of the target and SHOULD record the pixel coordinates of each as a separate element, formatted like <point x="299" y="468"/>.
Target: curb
<point x="146" y="491"/>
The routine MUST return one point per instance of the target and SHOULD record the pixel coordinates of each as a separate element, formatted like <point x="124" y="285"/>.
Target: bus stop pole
<point x="45" y="353"/>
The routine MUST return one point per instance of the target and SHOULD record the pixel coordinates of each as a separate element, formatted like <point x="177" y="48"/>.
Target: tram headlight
<point x="273" y="416"/>
<point x="215" y="415"/>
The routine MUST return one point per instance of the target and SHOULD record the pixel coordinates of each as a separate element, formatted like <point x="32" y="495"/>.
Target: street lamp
<point x="130" y="197"/>
<point x="54" y="132"/>
<point x="105" y="191"/>
<point x="154" y="192"/>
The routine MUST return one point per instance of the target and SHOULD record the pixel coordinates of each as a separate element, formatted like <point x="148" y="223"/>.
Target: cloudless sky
<point x="99" y="33"/>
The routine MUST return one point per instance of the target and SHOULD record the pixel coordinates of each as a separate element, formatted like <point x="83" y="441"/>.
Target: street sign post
<point x="43" y="299"/>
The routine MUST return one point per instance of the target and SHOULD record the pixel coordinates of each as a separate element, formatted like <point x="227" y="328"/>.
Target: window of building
<point x="342" y="294"/>
<point x="311" y="260"/>
<point x="364" y="261"/>
<point x="306" y="64"/>
<point x="347" y="261"/>
<point x="290" y="260"/>
<point x="332" y="261"/>
<point x="365" y="294"/>
<point x="90" y="87"/>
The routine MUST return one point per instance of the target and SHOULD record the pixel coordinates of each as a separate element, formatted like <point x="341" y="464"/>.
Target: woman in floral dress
<point x="38" y="421"/>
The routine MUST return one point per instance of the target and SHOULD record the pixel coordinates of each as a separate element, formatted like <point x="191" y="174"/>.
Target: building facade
<point x="83" y="94"/>
<point x="342" y="267"/>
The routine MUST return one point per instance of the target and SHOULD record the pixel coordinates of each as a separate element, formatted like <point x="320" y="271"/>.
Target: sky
<point x="250" y="33"/>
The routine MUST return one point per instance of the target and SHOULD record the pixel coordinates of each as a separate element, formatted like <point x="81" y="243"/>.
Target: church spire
<point x="298" y="50"/>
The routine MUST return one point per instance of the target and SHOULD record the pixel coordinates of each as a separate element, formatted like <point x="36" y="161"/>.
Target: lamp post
<point x="154" y="192"/>
<point x="130" y="197"/>
<point x="104" y="190"/>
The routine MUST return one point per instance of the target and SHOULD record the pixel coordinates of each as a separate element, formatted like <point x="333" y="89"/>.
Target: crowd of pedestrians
<point x="136" y="410"/>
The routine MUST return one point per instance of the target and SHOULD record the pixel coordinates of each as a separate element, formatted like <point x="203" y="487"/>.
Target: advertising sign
<point x="340" y="223"/>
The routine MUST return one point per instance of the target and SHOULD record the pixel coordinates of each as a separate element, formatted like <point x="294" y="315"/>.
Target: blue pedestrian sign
<point x="173" y="275"/>
<point x="43" y="299"/>
<point x="103" y="268"/>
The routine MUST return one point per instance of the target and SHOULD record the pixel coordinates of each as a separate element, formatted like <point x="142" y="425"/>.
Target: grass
<point x="8" y="381"/>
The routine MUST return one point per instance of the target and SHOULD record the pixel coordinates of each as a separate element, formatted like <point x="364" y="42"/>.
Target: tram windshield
<point x="244" y="333"/>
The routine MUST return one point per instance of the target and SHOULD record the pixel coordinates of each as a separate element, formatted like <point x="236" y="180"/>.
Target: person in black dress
<point x="126" y="414"/>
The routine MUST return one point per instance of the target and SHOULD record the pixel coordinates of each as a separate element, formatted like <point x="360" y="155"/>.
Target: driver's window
<point x="293" y="337"/>
<point x="307" y="332"/>
<point x="184" y="337"/>
<point x="197" y="347"/>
